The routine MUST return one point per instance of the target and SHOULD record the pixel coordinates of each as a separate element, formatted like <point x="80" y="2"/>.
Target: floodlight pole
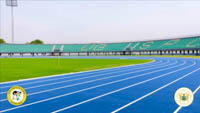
<point x="12" y="4"/>
<point x="0" y="20"/>
<point x="12" y="24"/>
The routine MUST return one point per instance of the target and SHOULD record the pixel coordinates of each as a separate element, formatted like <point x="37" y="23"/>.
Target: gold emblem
<point x="16" y="95"/>
<point x="184" y="97"/>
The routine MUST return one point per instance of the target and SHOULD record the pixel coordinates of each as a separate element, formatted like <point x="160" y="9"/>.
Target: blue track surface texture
<point x="144" y="88"/>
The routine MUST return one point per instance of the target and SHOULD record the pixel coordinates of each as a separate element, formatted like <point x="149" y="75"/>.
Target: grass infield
<point x="22" y="68"/>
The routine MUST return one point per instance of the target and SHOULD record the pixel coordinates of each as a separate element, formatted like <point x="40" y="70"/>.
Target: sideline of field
<point x="17" y="69"/>
<point x="173" y="56"/>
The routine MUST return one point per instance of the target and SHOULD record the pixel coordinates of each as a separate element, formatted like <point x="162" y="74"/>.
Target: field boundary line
<point x="49" y="76"/>
<point x="80" y="78"/>
<point x="83" y="82"/>
<point x="64" y="77"/>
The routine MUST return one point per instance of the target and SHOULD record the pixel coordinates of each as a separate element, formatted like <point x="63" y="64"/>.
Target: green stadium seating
<point x="182" y="43"/>
<point x="23" y="48"/>
<point x="72" y="47"/>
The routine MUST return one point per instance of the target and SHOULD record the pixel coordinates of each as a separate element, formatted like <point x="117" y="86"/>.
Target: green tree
<point x="37" y="41"/>
<point x="2" y="41"/>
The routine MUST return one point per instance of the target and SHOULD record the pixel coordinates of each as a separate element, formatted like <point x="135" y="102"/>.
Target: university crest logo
<point x="184" y="97"/>
<point x="16" y="95"/>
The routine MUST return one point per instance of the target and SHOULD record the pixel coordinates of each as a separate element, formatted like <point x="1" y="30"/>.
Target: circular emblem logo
<point x="184" y="97"/>
<point x="16" y="95"/>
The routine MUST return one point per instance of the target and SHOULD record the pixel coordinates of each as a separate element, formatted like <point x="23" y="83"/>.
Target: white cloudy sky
<point x="87" y="21"/>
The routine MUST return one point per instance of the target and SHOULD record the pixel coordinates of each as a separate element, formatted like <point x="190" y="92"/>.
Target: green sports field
<point x="22" y="68"/>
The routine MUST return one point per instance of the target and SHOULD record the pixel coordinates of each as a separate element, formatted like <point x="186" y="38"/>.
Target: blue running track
<point x="143" y="88"/>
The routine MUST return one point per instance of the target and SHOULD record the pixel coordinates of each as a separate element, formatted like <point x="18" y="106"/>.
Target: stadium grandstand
<point x="178" y="46"/>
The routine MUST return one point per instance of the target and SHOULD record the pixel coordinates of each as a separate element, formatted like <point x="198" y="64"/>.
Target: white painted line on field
<point x="82" y="78"/>
<point x="94" y="81"/>
<point x="67" y="75"/>
<point x="179" y="108"/>
<point x="50" y="76"/>
<point x="154" y="91"/>
<point x="81" y="91"/>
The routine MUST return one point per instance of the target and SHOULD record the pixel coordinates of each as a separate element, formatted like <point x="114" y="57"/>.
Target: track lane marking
<point x="67" y="75"/>
<point x="73" y="92"/>
<point x="90" y="81"/>
<point x="36" y="86"/>
<point x="154" y="91"/>
<point x="74" y="105"/>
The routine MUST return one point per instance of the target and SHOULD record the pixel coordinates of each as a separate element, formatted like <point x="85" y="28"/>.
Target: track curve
<point x="140" y="88"/>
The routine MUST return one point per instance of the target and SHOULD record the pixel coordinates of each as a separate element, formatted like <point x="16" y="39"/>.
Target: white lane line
<point x="90" y="81"/>
<point x="65" y="74"/>
<point x="71" y="93"/>
<point x="179" y="108"/>
<point x="36" y="86"/>
<point x="153" y="91"/>
<point x="81" y="74"/>
<point x="176" y="111"/>
<point x="82" y="78"/>
<point x="87" y="81"/>
<point x="74" y="105"/>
